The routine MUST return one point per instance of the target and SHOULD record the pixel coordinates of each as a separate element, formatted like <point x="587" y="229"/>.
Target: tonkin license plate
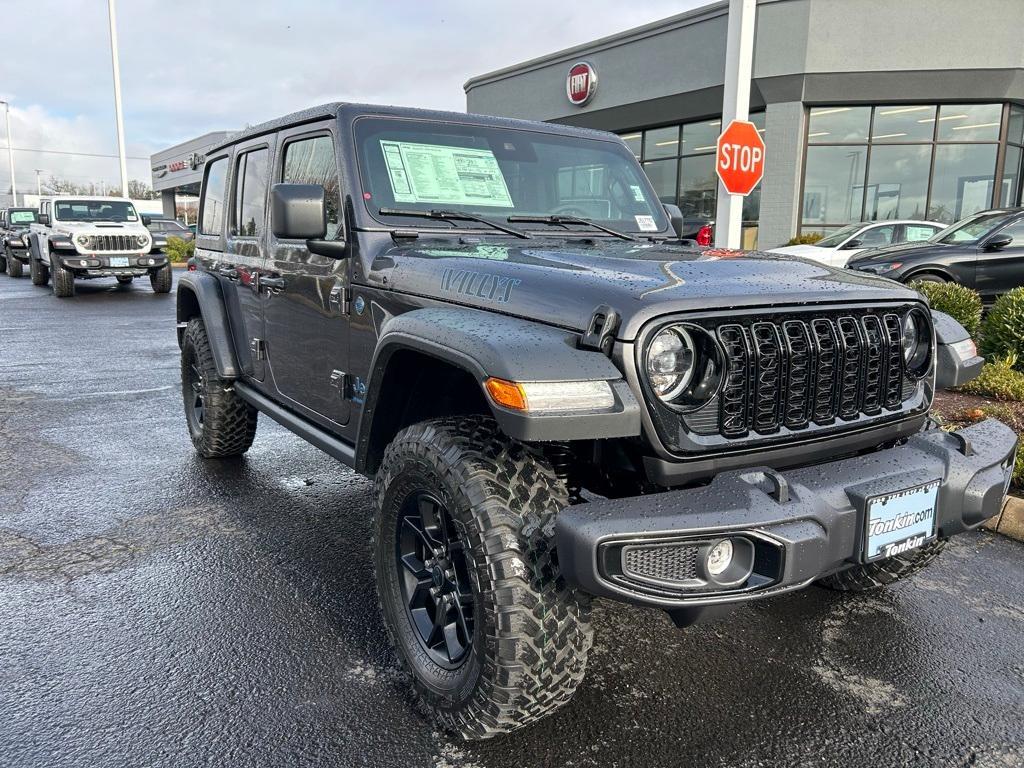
<point x="900" y="521"/>
<point x="119" y="261"/>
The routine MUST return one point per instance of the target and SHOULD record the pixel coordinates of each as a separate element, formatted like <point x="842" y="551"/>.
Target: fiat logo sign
<point x="580" y="83"/>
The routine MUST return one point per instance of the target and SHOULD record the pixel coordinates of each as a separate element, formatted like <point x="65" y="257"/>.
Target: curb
<point x="1009" y="522"/>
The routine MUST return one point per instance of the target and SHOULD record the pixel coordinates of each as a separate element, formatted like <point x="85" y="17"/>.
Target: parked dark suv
<point x="15" y="224"/>
<point x="486" y="316"/>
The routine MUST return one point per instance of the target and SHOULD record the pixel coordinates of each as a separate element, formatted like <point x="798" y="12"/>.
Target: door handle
<point x="273" y="284"/>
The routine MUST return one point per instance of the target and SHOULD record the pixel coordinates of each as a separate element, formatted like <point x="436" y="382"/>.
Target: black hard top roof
<point x="349" y="111"/>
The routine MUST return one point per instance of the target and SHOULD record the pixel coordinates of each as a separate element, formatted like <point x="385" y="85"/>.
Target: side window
<point x="212" y="222"/>
<point x="1016" y="231"/>
<point x="311" y="161"/>
<point x="915" y="233"/>
<point x="251" y="193"/>
<point x="877" y="236"/>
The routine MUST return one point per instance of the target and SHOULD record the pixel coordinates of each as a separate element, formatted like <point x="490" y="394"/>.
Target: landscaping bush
<point x="1002" y="333"/>
<point x="178" y="251"/>
<point x="809" y="238"/>
<point x="962" y="303"/>
<point x="999" y="380"/>
<point x="1014" y="420"/>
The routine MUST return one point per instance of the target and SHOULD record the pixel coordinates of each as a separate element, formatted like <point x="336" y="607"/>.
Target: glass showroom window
<point x="896" y="161"/>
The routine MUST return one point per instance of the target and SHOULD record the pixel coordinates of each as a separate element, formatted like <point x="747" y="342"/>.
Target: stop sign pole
<point x="739" y="65"/>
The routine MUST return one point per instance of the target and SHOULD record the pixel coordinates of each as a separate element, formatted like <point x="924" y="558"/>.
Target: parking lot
<point x="156" y="609"/>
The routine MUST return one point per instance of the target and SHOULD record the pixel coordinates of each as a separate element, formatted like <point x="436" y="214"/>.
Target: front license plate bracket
<point x="899" y="521"/>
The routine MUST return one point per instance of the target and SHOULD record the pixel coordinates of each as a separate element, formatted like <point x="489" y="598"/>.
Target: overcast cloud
<point x="192" y="67"/>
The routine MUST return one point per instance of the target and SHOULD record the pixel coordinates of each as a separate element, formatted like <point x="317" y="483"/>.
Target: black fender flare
<point x="957" y="361"/>
<point x="486" y="344"/>
<point x="199" y="294"/>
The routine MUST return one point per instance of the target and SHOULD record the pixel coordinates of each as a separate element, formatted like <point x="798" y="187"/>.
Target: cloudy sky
<point x="192" y="66"/>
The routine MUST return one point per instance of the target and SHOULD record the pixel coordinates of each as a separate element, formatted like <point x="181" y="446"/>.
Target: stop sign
<point x="739" y="161"/>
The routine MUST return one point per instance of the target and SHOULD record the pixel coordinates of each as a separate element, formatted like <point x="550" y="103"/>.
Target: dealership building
<point x="178" y="170"/>
<point x="869" y="109"/>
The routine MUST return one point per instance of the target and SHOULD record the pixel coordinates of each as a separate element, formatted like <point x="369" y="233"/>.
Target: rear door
<point x="1003" y="270"/>
<point x="306" y="294"/>
<point x="245" y="251"/>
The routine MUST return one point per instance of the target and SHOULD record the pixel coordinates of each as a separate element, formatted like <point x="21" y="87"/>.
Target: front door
<point x="306" y="295"/>
<point x="1002" y="270"/>
<point x="245" y="253"/>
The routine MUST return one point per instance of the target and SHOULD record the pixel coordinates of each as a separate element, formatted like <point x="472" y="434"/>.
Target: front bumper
<point x="96" y="265"/>
<point x="798" y="525"/>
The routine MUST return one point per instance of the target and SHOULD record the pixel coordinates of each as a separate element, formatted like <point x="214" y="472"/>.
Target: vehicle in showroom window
<point x="555" y="401"/>
<point x="984" y="251"/>
<point x="77" y="237"/>
<point x="14" y="230"/>
<point x="839" y="247"/>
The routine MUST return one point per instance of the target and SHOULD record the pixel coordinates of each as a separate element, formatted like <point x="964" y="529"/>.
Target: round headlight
<point x="82" y="240"/>
<point x="142" y="240"/>
<point x="670" y="360"/>
<point x="917" y="343"/>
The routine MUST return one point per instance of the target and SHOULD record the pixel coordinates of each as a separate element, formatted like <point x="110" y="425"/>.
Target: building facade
<point x="178" y="170"/>
<point x="870" y="109"/>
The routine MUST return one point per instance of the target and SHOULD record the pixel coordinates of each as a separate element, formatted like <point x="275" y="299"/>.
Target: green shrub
<point x="962" y="303"/>
<point x="1002" y="333"/>
<point x="1012" y="419"/>
<point x="998" y="380"/>
<point x="808" y="238"/>
<point x="178" y="251"/>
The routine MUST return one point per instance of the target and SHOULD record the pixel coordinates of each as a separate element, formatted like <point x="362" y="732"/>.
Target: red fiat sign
<point x="580" y="83"/>
<point x="740" y="158"/>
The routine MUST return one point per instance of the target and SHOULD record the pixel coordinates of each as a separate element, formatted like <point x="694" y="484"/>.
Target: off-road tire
<point x="161" y="279"/>
<point x="229" y="423"/>
<point x="531" y="631"/>
<point x="14" y="267"/>
<point x="124" y="279"/>
<point x="3" y="264"/>
<point x="63" y="281"/>
<point x="882" y="573"/>
<point x="39" y="272"/>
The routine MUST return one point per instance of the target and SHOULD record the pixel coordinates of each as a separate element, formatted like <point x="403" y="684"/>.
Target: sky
<point x="193" y="66"/>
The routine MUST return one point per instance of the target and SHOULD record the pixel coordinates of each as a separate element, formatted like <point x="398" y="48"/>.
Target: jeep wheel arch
<point x="199" y="295"/>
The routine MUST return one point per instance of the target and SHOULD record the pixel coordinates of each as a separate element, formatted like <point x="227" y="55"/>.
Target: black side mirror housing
<point x="998" y="242"/>
<point x="299" y="212"/>
<point x="675" y="215"/>
<point x="146" y="219"/>
<point x="855" y="243"/>
<point x="44" y="219"/>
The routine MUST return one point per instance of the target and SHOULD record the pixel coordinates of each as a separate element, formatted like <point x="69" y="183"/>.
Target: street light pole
<point x="112" y="14"/>
<point x="39" y="185"/>
<point x="739" y="66"/>
<point x="10" y="152"/>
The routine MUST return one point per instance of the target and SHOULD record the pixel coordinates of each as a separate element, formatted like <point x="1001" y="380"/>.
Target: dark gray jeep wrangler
<point x="15" y="224"/>
<point x="557" y="402"/>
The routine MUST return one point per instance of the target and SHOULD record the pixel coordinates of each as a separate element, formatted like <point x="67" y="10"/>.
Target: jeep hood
<point x="562" y="282"/>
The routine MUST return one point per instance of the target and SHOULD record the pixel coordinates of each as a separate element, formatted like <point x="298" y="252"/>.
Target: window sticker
<point x="646" y="223"/>
<point x="638" y="193"/>
<point x="430" y="173"/>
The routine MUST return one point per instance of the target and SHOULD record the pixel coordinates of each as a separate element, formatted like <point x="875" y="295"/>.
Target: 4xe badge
<point x="580" y="83"/>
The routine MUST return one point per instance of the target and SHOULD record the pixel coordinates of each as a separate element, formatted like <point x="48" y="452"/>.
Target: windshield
<point x="416" y="165"/>
<point x="971" y="229"/>
<point x="95" y="210"/>
<point x="837" y="237"/>
<point x="22" y="217"/>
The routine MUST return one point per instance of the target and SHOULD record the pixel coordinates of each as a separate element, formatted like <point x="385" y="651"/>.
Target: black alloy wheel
<point x="434" y="579"/>
<point x="195" y="410"/>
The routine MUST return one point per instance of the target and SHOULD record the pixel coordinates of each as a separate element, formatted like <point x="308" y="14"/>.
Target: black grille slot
<point x="894" y="362"/>
<point x="826" y="373"/>
<point x="662" y="563"/>
<point x="733" y="399"/>
<point x="798" y="389"/>
<point x="874" y="361"/>
<point x="767" y="377"/>
<point x="850" y="367"/>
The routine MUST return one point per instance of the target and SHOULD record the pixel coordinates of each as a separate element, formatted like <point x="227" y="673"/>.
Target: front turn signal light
<point x="551" y="396"/>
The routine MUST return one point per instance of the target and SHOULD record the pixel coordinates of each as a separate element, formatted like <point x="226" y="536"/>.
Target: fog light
<point x="82" y="263"/>
<point x="151" y="262"/>
<point x="719" y="557"/>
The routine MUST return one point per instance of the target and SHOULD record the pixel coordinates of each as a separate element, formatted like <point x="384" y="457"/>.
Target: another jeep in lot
<point x="83" y="238"/>
<point x="14" y="230"/>
<point x="555" y="401"/>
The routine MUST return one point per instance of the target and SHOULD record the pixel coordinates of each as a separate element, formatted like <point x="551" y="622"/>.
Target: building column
<point x="783" y="172"/>
<point x="167" y="198"/>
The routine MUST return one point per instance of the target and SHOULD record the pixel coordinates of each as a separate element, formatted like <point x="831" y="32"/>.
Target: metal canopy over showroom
<point x="870" y="110"/>
<point x="178" y="170"/>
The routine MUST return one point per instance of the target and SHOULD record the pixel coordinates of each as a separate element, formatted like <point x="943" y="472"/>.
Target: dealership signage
<point x="580" y="83"/>
<point x="739" y="161"/>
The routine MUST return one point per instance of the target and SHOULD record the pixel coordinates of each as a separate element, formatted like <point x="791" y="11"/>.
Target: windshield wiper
<point x="454" y="216"/>
<point x="560" y="219"/>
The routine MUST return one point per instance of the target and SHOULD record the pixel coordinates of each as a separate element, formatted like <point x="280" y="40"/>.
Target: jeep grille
<point x="113" y="243"/>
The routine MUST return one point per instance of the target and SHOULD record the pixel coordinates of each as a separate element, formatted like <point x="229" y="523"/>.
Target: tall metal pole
<point x="112" y="13"/>
<point x="39" y="184"/>
<point x="739" y="66"/>
<point x="10" y="153"/>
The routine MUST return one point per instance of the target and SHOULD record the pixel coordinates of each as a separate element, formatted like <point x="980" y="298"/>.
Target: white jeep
<point x="82" y="237"/>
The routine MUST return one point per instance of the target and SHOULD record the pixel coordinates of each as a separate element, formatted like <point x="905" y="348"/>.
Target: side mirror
<point x="44" y="219"/>
<point x="998" y="242"/>
<point x="855" y="243"/>
<point x="146" y="219"/>
<point x="299" y="212"/>
<point x="675" y="215"/>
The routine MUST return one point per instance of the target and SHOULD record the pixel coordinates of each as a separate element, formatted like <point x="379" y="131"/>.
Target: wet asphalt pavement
<point x="157" y="609"/>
